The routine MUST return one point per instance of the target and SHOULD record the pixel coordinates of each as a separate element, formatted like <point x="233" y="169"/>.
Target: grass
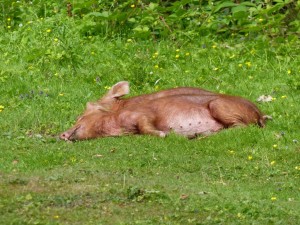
<point x="239" y="176"/>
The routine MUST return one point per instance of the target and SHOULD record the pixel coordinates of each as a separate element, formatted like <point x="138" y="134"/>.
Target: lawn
<point x="48" y="72"/>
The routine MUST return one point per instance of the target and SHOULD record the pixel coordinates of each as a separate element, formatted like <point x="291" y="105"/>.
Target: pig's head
<point x="96" y="121"/>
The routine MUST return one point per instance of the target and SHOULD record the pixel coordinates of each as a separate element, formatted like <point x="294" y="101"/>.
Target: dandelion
<point x="250" y="157"/>
<point x="297" y="167"/>
<point x="129" y="40"/>
<point x="273" y="199"/>
<point x="8" y="27"/>
<point x="48" y="30"/>
<point x="177" y="50"/>
<point x="132" y="6"/>
<point x="107" y="87"/>
<point x="93" y="53"/>
<point x="156" y="53"/>
<point x="177" y="56"/>
<point x="275" y="146"/>
<point x="8" y="19"/>
<point x="61" y="94"/>
<point x="260" y="19"/>
<point x="214" y="46"/>
<point x="283" y="96"/>
<point x="289" y="71"/>
<point x="231" y="152"/>
<point x="156" y="66"/>
<point x="56" y="217"/>
<point x="248" y="64"/>
<point x="56" y="39"/>
<point x="240" y="65"/>
<point x="1" y="108"/>
<point x="187" y="54"/>
<point x="273" y="99"/>
<point x="272" y="163"/>
<point x="216" y="68"/>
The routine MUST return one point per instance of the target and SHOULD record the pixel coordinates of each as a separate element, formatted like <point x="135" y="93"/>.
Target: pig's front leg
<point x="145" y="126"/>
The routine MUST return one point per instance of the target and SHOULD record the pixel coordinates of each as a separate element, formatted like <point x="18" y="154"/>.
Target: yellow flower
<point x="275" y="146"/>
<point x="156" y="53"/>
<point x="231" y="152"/>
<point x="260" y="19"/>
<point x="48" y="30"/>
<point x="273" y="198"/>
<point x="61" y="94"/>
<point x="156" y="66"/>
<point x="214" y="46"/>
<point x="248" y="64"/>
<point x="8" y="19"/>
<point x="8" y="27"/>
<point x="215" y="69"/>
<point x="56" y="39"/>
<point x="283" y="96"/>
<point x="250" y="157"/>
<point x="289" y="71"/>
<point x="132" y="6"/>
<point x="1" y="108"/>
<point x="240" y="65"/>
<point x="177" y="50"/>
<point x="56" y="217"/>
<point x="297" y="167"/>
<point x="176" y="56"/>
<point x="93" y="53"/>
<point x="272" y="163"/>
<point x="232" y="56"/>
<point x="107" y="87"/>
<point x="187" y="54"/>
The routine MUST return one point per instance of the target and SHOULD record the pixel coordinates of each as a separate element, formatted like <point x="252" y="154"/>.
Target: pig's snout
<point x="69" y="135"/>
<point x="64" y="136"/>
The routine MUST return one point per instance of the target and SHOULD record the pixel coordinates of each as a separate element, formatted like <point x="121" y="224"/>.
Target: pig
<point x="185" y="111"/>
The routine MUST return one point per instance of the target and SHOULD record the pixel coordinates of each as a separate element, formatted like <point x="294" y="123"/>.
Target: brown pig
<point x="186" y="111"/>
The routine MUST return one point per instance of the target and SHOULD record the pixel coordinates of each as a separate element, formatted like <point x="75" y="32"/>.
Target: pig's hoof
<point x="162" y="134"/>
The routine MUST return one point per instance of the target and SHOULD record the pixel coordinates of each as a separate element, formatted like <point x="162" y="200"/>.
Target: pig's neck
<point x="111" y="126"/>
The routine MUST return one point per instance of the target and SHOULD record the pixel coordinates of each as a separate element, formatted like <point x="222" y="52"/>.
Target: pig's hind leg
<point x="146" y="126"/>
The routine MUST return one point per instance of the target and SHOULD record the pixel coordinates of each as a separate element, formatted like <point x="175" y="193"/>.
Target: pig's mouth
<point x="70" y="135"/>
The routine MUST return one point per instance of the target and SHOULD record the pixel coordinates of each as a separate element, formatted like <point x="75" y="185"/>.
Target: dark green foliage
<point x="162" y="19"/>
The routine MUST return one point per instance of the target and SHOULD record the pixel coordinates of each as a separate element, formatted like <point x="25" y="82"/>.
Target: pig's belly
<point x="192" y="123"/>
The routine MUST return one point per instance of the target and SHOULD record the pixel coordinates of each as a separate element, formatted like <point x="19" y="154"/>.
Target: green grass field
<point x="48" y="71"/>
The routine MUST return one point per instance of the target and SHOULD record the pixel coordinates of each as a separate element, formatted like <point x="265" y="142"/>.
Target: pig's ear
<point x="91" y="107"/>
<point x="118" y="90"/>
